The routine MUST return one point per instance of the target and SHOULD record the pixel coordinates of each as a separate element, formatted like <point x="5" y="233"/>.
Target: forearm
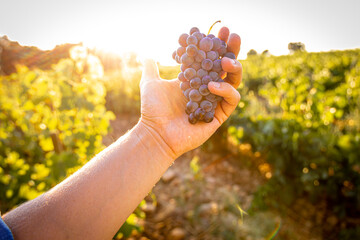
<point x="95" y="201"/>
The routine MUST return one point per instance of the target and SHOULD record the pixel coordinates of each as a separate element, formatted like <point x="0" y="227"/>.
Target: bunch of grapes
<point x="200" y="58"/>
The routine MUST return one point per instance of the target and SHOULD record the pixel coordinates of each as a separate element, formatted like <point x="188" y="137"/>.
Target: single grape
<point x="182" y="39"/>
<point x="203" y="90"/>
<point x="211" y="55"/>
<point x="230" y="55"/>
<point x="222" y="50"/>
<point x="193" y="30"/>
<point x="186" y="59"/>
<point x="194" y="95"/>
<point x="201" y="73"/>
<point x="200" y="56"/>
<point x="195" y="83"/>
<point x="211" y="36"/>
<point x="214" y="105"/>
<point x="177" y="59"/>
<point x="206" y="44"/>
<point x="191" y="106"/>
<point x="214" y="75"/>
<point x="209" y="116"/>
<point x="199" y="114"/>
<point x="206" y="79"/>
<point x="216" y="43"/>
<point x="207" y="64"/>
<point x="180" y="51"/>
<point x="217" y="65"/>
<point x="198" y="35"/>
<point x="196" y="66"/>
<point x="210" y="97"/>
<point x="206" y="105"/>
<point x="189" y="73"/>
<point x="174" y="55"/>
<point x="192" y="119"/>
<point x="223" y="43"/>
<point x="181" y="77"/>
<point x="184" y="85"/>
<point x="191" y="50"/>
<point x="191" y="40"/>
<point x="186" y="93"/>
<point x="183" y="67"/>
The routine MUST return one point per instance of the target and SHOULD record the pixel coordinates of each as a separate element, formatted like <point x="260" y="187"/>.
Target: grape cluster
<point x="200" y="58"/>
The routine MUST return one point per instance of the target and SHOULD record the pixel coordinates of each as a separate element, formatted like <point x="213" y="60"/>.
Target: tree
<point x="296" y="46"/>
<point x="251" y="52"/>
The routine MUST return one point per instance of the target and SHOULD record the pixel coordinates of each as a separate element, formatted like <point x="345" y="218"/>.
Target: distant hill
<point x="12" y="53"/>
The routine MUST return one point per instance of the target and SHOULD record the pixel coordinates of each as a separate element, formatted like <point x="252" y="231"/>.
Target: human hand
<point x="163" y="103"/>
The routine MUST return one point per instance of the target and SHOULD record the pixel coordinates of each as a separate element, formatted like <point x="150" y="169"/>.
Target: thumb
<point x="150" y="71"/>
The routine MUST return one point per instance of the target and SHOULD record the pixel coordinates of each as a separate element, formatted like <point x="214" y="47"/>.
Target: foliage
<point x="301" y="112"/>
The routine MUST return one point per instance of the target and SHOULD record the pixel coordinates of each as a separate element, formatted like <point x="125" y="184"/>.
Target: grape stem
<point x="219" y="21"/>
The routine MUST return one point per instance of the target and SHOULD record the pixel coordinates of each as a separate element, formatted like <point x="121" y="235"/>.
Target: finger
<point x="150" y="71"/>
<point x="234" y="44"/>
<point x="229" y="93"/>
<point x="224" y="34"/>
<point x="233" y="69"/>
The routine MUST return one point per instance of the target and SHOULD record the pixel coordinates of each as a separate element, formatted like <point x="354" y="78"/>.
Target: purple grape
<point x="183" y="67"/>
<point x="209" y="116"/>
<point x="191" y="50"/>
<point x="216" y="43"/>
<point x="198" y="35"/>
<point x="201" y="73"/>
<point x="206" y="44"/>
<point x="203" y="90"/>
<point x="186" y="93"/>
<point x="230" y="55"/>
<point x="191" y="106"/>
<point x="211" y="36"/>
<point x="222" y="50"/>
<point x="207" y="64"/>
<point x="195" y="83"/>
<point x="180" y="51"/>
<point x="194" y="30"/>
<point x="206" y="79"/>
<point x="194" y="95"/>
<point x="177" y="59"/>
<point x="199" y="114"/>
<point x="189" y="73"/>
<point x="174" y="55"/>
<point x="191" y="40"/>
<point x="211" y="55"/>
<point x="200" y="56"/>
<point x="182" y="39"/>
<point x="184" y="85"/>
<point x="192" y="119"/>
<point x="181" y="77"/>
<point x="214" y="75"/>
<point x="217" y="65"/>
<point x="186" y="59"/>
<point x="214" y="105"/>
<point x="196" y="66"/>
<point x="206" y="106"/>
<point x="223" y="43"/>
<point x="211" y="97"/>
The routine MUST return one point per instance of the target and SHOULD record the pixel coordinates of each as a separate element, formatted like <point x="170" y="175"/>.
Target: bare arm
<point x="95" y="201"/>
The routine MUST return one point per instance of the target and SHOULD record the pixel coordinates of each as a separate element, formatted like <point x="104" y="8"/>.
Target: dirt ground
<point x="207" y="196"/>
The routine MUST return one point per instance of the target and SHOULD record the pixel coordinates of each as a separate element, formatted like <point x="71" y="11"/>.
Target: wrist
<point x="153" y="142"/>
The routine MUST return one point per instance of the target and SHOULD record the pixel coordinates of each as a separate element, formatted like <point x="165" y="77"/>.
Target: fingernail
<point x="234" y="62"/>
<point x="216" y="84"/>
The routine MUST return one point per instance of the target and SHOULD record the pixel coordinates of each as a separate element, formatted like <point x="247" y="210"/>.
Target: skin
<point x="96" y="200"/>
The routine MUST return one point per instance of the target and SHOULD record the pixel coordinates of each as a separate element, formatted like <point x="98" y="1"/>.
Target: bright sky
<point x="151" y="27"/>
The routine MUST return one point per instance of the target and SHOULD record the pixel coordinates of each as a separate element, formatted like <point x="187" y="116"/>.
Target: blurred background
<point x="286" y="165"/>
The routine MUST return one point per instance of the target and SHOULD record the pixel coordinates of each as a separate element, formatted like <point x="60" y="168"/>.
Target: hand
<point x="163" y="103"/>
